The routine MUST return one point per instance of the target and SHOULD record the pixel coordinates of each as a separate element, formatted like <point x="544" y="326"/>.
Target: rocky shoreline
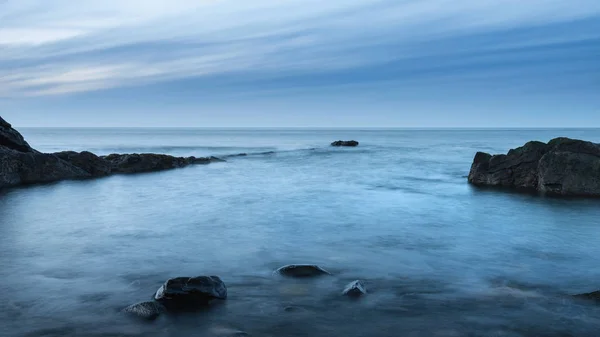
<point x="20" y="164"/>
<point x="562" y="167"/>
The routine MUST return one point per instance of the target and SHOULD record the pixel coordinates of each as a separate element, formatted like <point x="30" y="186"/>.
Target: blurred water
<point x="438" y="257"/>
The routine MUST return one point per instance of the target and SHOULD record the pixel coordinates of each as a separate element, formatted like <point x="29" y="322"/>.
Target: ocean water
<point x="439" y="258"/>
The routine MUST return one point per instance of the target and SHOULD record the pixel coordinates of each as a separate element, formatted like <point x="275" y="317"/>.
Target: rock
<point x="595" y="296"/>
<point x="151" y="162"/>
<point x="301" y="270"/>
<point x="89" y="162"/>
<point x="345" y="143"/>
<point x="146" y="310"/>
<point x="355" y="289"/>
<point x="23" y="168"/>
<point x="21" y="165"/>
<point x="190" y="292"/>
<point x="562" y="167"/>
<point x="12" y="139"/>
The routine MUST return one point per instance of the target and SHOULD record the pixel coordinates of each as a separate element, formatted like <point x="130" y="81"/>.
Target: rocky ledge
<point x="20" y="164"/>
<point x="561" y="167"/>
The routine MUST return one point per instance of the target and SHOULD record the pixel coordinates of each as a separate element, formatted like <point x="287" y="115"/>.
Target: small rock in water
<point x="146" y="310"/>
<point x="301" y="270"/>
<point x="354" y="289"/>
<point x="190" y="292"/>
<point x="351" y="143"/>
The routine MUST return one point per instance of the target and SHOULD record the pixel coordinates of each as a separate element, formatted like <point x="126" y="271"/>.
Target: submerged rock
<point x="301" y="270"/>
<point x="146" y="310"/>
<point x="562" y="167"/>
<point x="355" y="289"/>
<point x="345" y="143"/>
<point x="190" y="292"/>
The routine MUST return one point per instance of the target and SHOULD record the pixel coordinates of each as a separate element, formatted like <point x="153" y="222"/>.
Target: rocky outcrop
<point x="351" y="143"/>
<point x="22" y="165"/>
<point x="355" y="289"/>
<point x="12" y="139"/>
<point x="182" y="293"/>
<point x="561" y="167"/>
<point x="301" y="270"/>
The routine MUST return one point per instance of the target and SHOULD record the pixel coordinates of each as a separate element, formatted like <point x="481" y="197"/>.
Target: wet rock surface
<point x="146" y="310"/>
<point x="355" y="289"/>
<point x="301" y="270"/>
<point x="183" y="293"/>
<point x="350" y="143"/>
<point x="561" y="167"/>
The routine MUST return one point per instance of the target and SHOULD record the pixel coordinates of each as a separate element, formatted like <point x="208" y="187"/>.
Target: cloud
<point x="55" y="48"/>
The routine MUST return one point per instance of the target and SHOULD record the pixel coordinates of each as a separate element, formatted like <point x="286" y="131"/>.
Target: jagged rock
<point x="301" y="270"/>
<point x="147" y="310"/>
<point x="355" y="289"/>
<point x="150" y="162"/>
<point x="190" y="292"/>
<point x="89" y="162"/>
<point x="12" y="139"/>
<point x="563" y="167"/>
<point x="345" y="143"/>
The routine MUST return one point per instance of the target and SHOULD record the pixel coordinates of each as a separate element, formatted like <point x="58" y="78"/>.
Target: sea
<point x="438" y="257"/>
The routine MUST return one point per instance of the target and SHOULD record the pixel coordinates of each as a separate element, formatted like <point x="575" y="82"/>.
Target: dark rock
<point x="190" y="292"/>
<point x="23" y="168"/>
<point x="146" y="310"/>
<point x="345" y="143"/>
<point x="12" y="139"/>
<point x="89" y="162"/>
<point x="21" y="165"/>
<point x="355" y="289"/>
<point x="595" y="296"/>
<point x="301" y="270"/>
<point x="564" y="167"/>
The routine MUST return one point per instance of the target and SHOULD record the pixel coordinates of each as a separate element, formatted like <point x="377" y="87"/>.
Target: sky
<point x="300" y="63"/>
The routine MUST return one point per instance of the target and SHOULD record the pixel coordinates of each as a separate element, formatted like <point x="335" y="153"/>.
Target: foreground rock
<point x="22" y="165"/>
<point x="301" y="270"/>
<point x="345" y="143"/>
<point x="355" y="289"/>
<point x="145" y="310"/>
<point x="562" y="167"/>
<point x="184" y="293"/>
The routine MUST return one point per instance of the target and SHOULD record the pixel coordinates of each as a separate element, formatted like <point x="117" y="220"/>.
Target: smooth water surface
<point x="439" y="257"/>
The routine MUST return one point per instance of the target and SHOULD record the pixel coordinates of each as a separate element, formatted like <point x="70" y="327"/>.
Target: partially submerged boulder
<point x="301" y="270"/>
<point x="350" y="143"/>
<point x="562" y="167"/>
<point x="146" y="310"/>
<point x="182" y="293"/>
<point x="355" y="289"/>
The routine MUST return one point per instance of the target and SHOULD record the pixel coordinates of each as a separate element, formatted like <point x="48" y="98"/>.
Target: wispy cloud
<point x="56" y="47"/>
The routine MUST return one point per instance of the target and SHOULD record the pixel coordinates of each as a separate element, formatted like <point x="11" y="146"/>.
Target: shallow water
<point x="438" y="257"/>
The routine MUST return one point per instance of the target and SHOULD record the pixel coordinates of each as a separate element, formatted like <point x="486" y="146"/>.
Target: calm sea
<point x="439" y="258"/>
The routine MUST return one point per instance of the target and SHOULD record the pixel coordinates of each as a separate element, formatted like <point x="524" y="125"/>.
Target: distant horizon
<point x="507" y="128"/>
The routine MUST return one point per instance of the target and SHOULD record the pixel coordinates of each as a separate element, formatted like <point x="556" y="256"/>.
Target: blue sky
<point x="403" y="63"/>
